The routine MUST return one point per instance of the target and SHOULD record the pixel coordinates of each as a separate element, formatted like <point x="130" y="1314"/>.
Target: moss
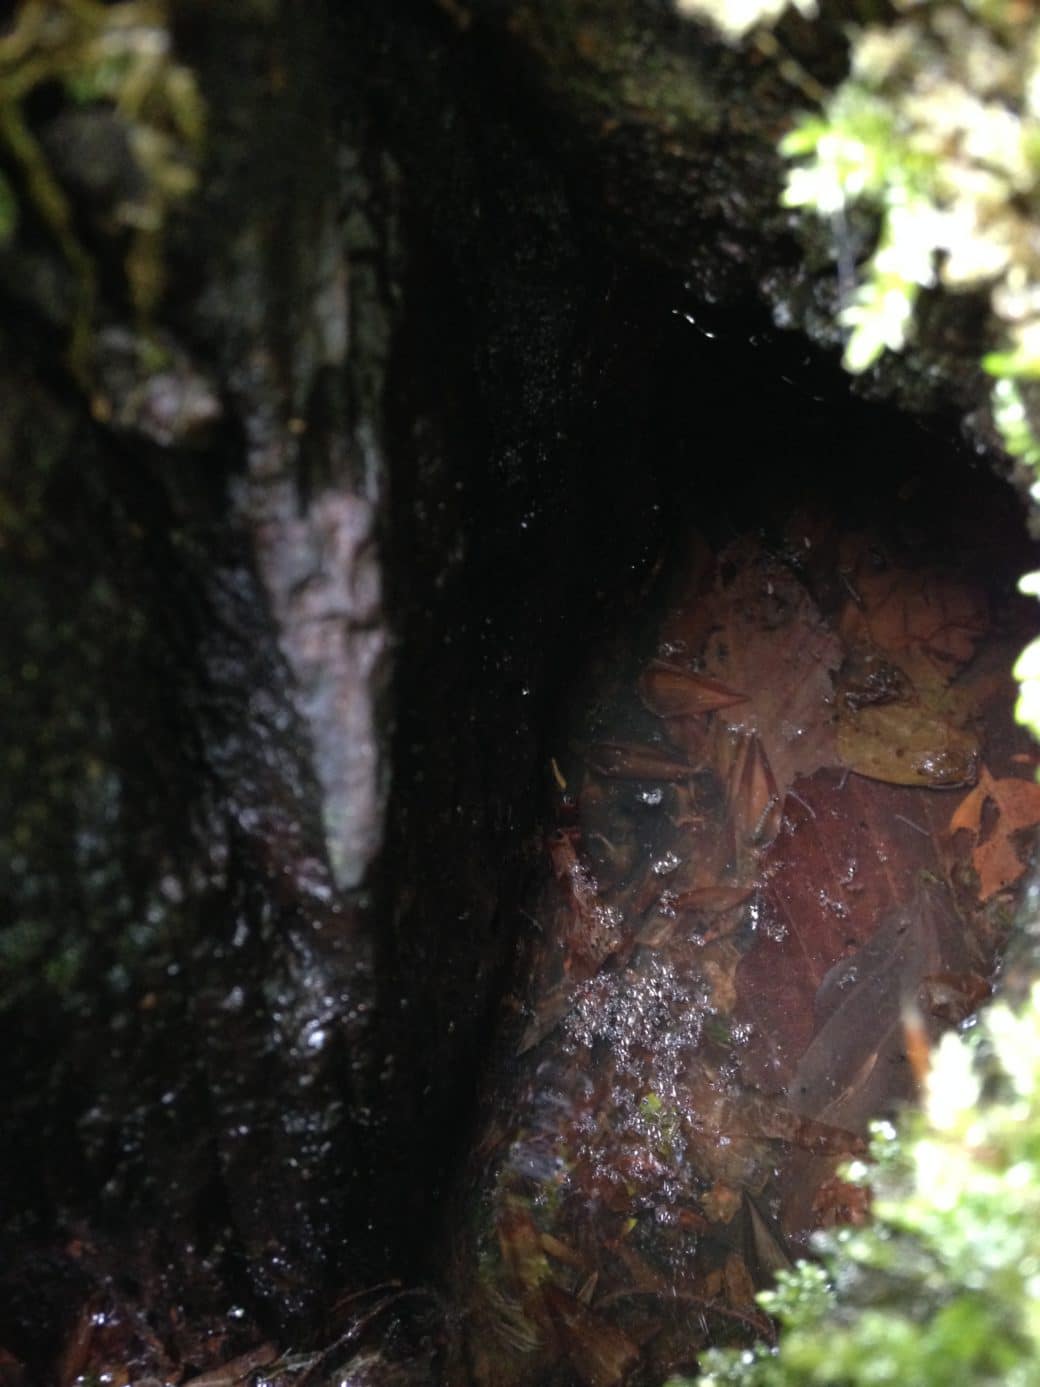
<point x="936" y="129"/>
<point x="942" y="1287"/>
<point x="116" y="57"/>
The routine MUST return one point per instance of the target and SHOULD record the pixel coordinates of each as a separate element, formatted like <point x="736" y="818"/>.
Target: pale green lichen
<point x="937" y="128"/>
<point x="119" y="56"/>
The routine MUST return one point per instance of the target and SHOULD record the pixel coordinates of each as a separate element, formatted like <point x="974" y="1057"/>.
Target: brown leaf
<point x="561" y="1252"/>
<point x="636" y="761"/>
<point x="996" y="857"/>
<point x="76" y="1351"/>
<point x="670" y="691"/>
<point x="712" y="900"/>
<point x="849" y="851"/>
<point x="931" y="620"/>
<point x="600" y="1354"/>
<point x="754" y="798"/>
<point x="740" y="1289"/>
<point x="906" y="744"/>
<point x="859" y="1010"/>
<point x="238" y="1369"/>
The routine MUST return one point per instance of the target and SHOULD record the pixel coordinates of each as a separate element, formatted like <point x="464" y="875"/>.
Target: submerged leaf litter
<point x="786" y="854"/>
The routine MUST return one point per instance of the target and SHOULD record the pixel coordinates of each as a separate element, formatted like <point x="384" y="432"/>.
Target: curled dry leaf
<point x="589" y="930"/>
<point x="636" y="761"/>
<point x="996" y="857"/>
<point x="712" y="900"/>
<point x="763" y="1248"/>
<point x="752" y="794"/>
<point x="238" y="1370"/>
<point x="670" y="691"/>
<point x="740" y="1288"/>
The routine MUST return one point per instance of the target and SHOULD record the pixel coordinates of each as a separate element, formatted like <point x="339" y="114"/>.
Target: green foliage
<point x="942" y="1289"/>
<point x="936" y="130"/>
<point x="117" y="56"/>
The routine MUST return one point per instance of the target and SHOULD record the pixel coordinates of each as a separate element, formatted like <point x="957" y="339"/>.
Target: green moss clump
<point x="943" y="1288"/>
<point x="117" y="57"/>
<point x="937" y="130"/>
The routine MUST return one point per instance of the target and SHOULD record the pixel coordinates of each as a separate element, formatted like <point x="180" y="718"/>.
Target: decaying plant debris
<point x="785" y="859"/>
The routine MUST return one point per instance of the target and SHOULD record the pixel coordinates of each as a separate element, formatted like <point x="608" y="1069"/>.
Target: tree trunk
<point x="300" y="562"/>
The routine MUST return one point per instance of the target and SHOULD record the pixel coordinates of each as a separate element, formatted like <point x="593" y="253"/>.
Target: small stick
<point x="763" y="1326"/>
<point x="910" y="824"/>
<point x="361" y="1325"/>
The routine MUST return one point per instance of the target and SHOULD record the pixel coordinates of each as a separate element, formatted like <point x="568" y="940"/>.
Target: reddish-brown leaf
<point x="670" y="691"/>
<point x="589" y="930"/>
<point x="754" y="799"/>
<point x="636" y="761"/>
<point x="848" y="852"/>
<point x="853" y="1064"/>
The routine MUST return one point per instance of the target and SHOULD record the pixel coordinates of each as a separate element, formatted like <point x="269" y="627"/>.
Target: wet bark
<point x="289" y="614"/>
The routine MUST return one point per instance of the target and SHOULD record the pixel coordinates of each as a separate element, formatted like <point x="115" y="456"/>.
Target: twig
<point x="805" y="805"/>
<point x="360" y="1325"/>
<point x="751" y="1321"/>
<point x="910" y="824"/>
